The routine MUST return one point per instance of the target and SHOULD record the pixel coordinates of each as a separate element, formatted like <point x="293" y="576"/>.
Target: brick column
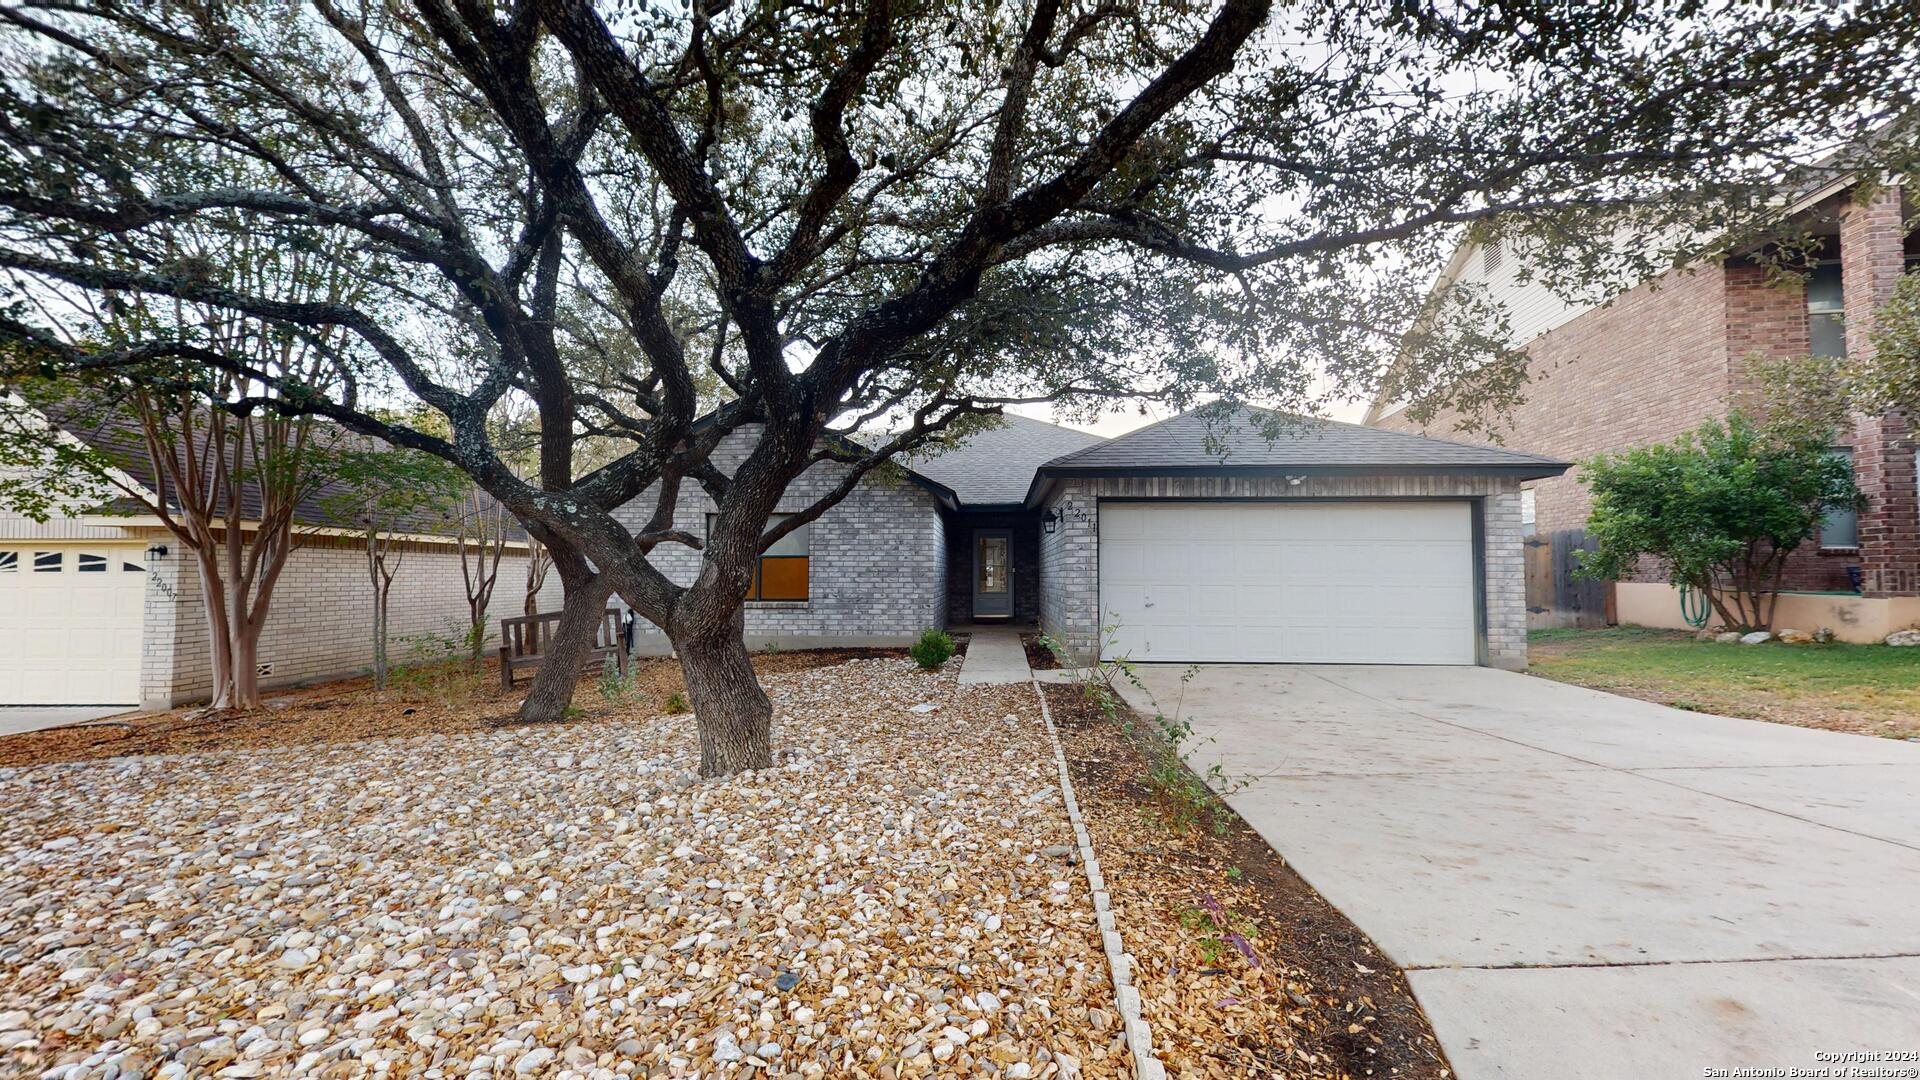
<point x="1871" y="235"/>
<point x="173" y="636"/>
<point x="1070" y="573"/>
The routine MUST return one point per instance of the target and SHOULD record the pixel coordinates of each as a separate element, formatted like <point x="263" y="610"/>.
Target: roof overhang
<point x="151" y="521"/>
<point x="1044" y="479"/>
<point x="991" y="508"/>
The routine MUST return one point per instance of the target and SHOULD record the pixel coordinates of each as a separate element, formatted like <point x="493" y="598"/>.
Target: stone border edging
<point x="1126" y="996"/>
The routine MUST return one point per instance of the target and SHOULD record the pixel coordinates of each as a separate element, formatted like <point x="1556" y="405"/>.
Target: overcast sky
<point x="1128" y="417"/>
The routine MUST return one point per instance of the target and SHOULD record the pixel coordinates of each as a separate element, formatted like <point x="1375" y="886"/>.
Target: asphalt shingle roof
<point x="1214" y="438"/>
<point x="996" y="465"/>
<point x="114" y="431"/>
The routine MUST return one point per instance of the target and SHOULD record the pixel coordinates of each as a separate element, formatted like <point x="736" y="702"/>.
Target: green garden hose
<point x="1694" y="607"/>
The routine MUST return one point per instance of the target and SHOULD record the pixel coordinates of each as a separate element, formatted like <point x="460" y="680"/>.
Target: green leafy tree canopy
<point x="1719" y="509"/>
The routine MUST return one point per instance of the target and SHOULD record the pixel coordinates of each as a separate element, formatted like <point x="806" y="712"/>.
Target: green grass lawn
<point x="1867" y="689"/>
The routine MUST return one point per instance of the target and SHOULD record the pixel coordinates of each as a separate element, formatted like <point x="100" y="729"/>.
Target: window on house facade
<point x="1527" y="517"/>
<point x="1840" y="528"/>
<point x="1826" y="312"/>
<point x="785" y="568"/>
<point x="48" y="562"/>
<point x="9" y="562"/>
<point x="92" y="564"/>
<point x="1492" y="254"/>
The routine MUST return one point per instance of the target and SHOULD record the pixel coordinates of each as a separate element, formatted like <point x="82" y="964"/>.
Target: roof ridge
<point x="1410" y="435"/>
<point x="1108" y="441"/>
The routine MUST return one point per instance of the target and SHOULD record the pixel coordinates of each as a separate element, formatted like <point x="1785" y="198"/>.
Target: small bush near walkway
<point x="934" y="648"/>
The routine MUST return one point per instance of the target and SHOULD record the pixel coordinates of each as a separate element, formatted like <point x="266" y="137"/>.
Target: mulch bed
<point x="1309" y="996"/>
<point x="1039" y="658"/>
<point x="431" y="700"/>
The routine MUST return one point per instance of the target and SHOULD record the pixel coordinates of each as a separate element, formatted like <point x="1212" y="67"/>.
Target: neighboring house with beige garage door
<point x="105" y="609"/>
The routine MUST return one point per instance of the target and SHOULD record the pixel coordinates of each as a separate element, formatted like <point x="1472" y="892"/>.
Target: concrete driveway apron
<point x="1582" y="885"/>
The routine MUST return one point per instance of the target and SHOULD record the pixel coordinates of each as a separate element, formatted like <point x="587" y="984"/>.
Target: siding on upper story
<point x="15" y="526"/>
<point x="1659" y="359"/>
<point x="21" y="527"/>
<point x="1532" y="308"/>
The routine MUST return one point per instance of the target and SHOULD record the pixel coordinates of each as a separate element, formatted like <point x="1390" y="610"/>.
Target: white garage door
<point x="1322" y="582"/>
<point x="70" y="621"/>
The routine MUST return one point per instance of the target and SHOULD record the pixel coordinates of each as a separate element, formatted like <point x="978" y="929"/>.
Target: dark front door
<point x="992" y="573"/>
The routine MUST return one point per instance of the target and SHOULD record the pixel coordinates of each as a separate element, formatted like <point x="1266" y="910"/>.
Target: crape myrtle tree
<point x="890" y="219"/>
<point x="417" y="494"/>
<point x="199" y="447"/>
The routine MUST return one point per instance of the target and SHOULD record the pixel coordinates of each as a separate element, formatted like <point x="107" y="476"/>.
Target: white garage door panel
<point x="72" y="637"/>
<point x="1348" y="582"/>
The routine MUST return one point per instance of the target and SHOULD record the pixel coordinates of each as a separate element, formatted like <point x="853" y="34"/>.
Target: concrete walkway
<point x="994" y="655"/>
<point x="18" y="719"/>
<point x="1584" y="886"/>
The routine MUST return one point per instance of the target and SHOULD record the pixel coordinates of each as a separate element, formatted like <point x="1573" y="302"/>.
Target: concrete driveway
<point x="18" y="719"/>
<point x="1582" y="885"/>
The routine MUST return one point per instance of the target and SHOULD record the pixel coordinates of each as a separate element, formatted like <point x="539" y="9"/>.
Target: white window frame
<point x="1851" y="516"/>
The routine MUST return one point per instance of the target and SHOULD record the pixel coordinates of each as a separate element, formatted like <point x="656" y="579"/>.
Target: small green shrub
<point x="1218" y="931"/>
<point x="934" y="648"/>
<point x="676" y="704"/>
<point x="615" y="687"/>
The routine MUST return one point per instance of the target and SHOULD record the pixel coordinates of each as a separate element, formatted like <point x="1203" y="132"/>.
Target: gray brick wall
<point x="1506" y="580"/>
<point x="877" y="560"/>
<point x="1069" y="556"/>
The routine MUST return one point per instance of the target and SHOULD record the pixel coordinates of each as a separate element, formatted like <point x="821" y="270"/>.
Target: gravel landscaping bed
<point x="893" y="900"/>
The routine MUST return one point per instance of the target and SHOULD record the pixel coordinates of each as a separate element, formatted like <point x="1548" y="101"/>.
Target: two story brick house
<point x="1658" y="359"/>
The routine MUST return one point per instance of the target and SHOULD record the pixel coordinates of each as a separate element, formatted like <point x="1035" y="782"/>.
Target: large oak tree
<point x="668" y="224"/>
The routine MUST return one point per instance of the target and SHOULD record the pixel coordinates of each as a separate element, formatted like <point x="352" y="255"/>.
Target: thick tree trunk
<point x="246" y="665"/>
<point x="566" y="653"/>
<point x="732" y="712"/>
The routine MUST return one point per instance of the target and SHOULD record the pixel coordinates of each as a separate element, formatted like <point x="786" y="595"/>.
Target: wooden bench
<point x="524" y="641"/>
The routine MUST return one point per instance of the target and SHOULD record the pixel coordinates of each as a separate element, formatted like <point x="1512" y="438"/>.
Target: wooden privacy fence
<point x="1554" y="596"/>
<point x="524" y="641"/>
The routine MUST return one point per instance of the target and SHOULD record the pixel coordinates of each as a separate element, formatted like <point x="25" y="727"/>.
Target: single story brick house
<point x="1194" y="539"/>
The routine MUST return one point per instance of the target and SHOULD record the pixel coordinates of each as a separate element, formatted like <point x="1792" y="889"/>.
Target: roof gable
<point x="1214" y="439"/>
<point x="995" y="466"/>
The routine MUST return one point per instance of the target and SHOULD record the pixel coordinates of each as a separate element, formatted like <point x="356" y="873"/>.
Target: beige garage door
<point x="1338" y="582"/>
<point x="70" y="622"/>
